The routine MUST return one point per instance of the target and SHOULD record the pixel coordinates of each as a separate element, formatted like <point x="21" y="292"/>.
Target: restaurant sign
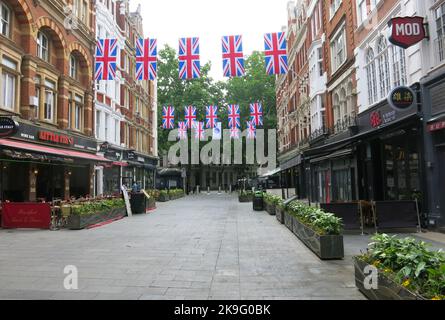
<point x="402" y="98"/>
<point x="407" y="31"/>
<point x="8" y="127"/>
<point x="26" y="215"/>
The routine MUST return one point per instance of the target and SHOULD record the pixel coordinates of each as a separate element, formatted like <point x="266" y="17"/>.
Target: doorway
<point x="50" y="182"/>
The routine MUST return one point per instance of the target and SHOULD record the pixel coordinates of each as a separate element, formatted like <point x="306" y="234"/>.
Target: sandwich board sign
<point x="127" y="200"/>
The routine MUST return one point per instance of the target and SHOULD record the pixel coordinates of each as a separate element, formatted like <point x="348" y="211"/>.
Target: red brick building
<point x="46" y="66"/>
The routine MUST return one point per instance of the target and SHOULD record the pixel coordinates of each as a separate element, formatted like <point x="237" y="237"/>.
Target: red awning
<point x="51" y="150"/>
<point x="120" y="164"/>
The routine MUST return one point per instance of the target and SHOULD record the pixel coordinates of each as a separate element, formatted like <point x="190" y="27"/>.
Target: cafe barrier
<point x="26" y="215"/>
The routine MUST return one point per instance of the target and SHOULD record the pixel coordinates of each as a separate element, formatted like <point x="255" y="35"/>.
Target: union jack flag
<point x="146" y="59"/>
<point x="233" y="58"/>
<point x="106" y="59"/>
<point x="189" y="65"/>
<point x="168" y="117"/>
<point x="211" y="116"/>
<point x="182" y="130"/>
<point x="234" y="116"/>
<point x="251" y="130"/>
<point x="199" y="130"/>
<point x="234" y="133"/>
<point x="275" y="53"/>
<point x="256" y="114"/>
<point x="190" y="116"/>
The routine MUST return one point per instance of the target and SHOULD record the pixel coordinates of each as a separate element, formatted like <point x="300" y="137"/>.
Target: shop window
<point x="42" y="46"/>
<point x="5" y="19"/>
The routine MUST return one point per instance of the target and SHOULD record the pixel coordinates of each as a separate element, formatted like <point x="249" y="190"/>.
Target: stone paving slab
<point x="200" y="247"/>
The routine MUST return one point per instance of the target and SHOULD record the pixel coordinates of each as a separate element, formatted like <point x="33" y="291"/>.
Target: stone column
<point x="62" y="103"/>
<point x="27" y="87"/>
<point x="88" y="114"/>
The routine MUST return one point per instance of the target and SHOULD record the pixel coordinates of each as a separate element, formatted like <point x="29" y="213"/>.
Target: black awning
<point x="295" y="161"/>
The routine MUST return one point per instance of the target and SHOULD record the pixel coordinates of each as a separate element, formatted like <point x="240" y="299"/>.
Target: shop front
<point x="141" y="169"/>
<point x="434" y="139"/>
<point x="390" y="154"/>
<point x="41" y="164"/>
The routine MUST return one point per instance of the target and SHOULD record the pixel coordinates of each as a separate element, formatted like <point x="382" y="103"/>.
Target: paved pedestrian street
<point x="199" y="247"/>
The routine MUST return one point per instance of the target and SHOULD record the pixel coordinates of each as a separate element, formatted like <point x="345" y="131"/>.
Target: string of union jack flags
<point x="275" y="55"/>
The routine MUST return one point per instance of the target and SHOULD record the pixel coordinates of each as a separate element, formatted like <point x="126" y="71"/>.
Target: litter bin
<point x="258" y="204"/>
<point x="137" y="203"/>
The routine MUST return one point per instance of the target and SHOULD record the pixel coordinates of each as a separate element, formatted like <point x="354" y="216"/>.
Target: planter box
<point x="245" y="199"/>
<point x="288" y="220"/>
<point x="279" y="214"/>
<point x="387" y="288"/>
<point x="78" y="222"/>
<point x="270" y="208"/>
<point x="325" y="247"/>
<point x="163" y="198"/>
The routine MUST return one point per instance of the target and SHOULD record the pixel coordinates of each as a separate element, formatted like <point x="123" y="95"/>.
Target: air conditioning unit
<point x="34" y="101"/>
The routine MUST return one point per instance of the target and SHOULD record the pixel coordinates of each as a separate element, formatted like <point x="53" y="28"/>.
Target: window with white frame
<point x="398" y="66"/>
<point x="8" y="90"/>
<point x="338" y="49"/>
<point x="335" y="5"/>
<point x="439" y="15"/>
<point x="50" y="101"/>
<point x="37" y="81"/>
<point x="371" y="76"/>
<point x="5" y="19"/>
<point x="73" y="67"/>
<point x="383" y="63"/>
<point x="78" y="112"/>
<point x="42" y="46"/>
<point x="98" y="126"/>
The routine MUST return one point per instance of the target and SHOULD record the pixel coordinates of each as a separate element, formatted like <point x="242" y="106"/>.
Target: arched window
<point x="73" y="67"/>
<point x="383" y="63"/>
<point x="371" y="77"/>
<point x="398" y="66"/>
<point x="5" y="19"/>
<point x="42" y="46"/>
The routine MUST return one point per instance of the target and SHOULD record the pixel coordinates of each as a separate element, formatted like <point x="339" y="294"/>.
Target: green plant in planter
<point x="92" y="207"/>
<point x="410" y="263"/>
<point x="323" y="223"/>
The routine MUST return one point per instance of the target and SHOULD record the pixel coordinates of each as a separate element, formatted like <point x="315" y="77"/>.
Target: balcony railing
<point x="323" y="131"/>
<point x="344" y="124"/>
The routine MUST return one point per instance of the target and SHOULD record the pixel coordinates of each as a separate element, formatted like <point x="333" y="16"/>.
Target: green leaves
<point x="412" y="262"/>
<point x="92" y="207"/>
<point x="324" y="223"/>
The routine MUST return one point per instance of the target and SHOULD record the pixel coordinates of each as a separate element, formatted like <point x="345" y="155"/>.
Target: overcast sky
<point x="169" y="20"/>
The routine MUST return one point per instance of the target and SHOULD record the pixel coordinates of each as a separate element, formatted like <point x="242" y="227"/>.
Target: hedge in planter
<point x="279" y="211"/>
<point x="245" y="196"/>
<point x="176" y="194"/>
<point x="90" y="213"/>
<point x="318" y="230"/>
<point x="271" y="202"/>
<point x="408" y="270"/>
<point x="163" y="196"/>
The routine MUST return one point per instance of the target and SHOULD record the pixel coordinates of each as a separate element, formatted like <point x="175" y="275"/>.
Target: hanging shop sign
<point x="407" y="31"/>
<point x="402" y="98"/>
<point x="8" y="127"/>
<point x="436" y="126"/>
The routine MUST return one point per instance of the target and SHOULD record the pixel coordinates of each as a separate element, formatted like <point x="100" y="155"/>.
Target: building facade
<point x="125" y="108"/>
<point x="46" y="67"/>
<point x="360" y="147"/>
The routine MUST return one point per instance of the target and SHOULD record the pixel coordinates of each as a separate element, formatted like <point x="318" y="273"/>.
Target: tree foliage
<point x="256" y="86"/>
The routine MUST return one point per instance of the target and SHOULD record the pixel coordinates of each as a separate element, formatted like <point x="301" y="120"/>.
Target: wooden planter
<point x="279" y="214"/>
<point x="163" y="198"/>
<point x="244" y="198"/>
<point x="288" y="220"/>
<point x="270" y="208"/>
<point x="325" y="247"/>
<point x="387" y="289"/>
<point x="79" y="222"/>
